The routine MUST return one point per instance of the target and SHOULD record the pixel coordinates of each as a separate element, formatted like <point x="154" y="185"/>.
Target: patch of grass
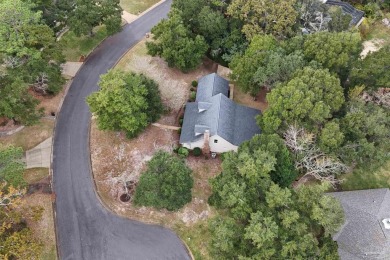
<point x="137" y="6"/>
<point x="50" y="253"/>
<point x="379" y="31"/>
<point x="43" y="228"/>
<point x="30" y="136"/>
<point x="197" y="238"/>
<point x="74" y="47"/>
<point x="368" y="178"/>
<point x="34" y="175"/>
<point x="126" y="63"/>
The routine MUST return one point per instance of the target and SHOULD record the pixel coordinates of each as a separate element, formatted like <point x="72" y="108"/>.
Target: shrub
<point x="181" y="121"/>
<point x="167" y="183"/>
<point x="194" y="83"/>
<point x="197" y="151"/>
<point x="364" y="29"/>
<point x="183" y="152"/>
<point x="179" y="131"/>
<point x="193" y="96"/>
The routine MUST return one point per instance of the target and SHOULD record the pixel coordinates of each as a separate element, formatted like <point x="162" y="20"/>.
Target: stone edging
<point x="11" y="132"/>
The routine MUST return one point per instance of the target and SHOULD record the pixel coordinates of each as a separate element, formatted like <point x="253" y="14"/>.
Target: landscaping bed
<point x="117" y="161"/>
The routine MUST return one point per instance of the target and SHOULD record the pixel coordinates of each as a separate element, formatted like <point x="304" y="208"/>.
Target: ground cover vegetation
<point x="16" y="239"/>
<point x="328" y="115"/>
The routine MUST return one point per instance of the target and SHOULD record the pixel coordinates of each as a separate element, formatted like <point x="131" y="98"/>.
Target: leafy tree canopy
<point x="167" y="183"/>
<point x="335" y="51"/>
<point x="309" y="99"/>
<point x="373" y="70"/>
<point x="125" y="101"/>
<point x="174" y="42"/>
<point x="266" y="221"/>
<point x="84" y="15"/>
<point x="11" y="166"/>
<point x="245" y="67"/>
<point x="264" y="17"/>
<point x="366" y="129"/>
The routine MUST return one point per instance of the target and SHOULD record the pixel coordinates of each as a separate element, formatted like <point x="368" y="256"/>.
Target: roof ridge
<point x="219" y="112"/>
<point x="212" y="91"/>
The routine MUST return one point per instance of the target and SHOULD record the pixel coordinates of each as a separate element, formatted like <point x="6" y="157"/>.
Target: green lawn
<point x="368" y="179"/>
<point x="74" y="47"/>
<point x="137" y="6"/>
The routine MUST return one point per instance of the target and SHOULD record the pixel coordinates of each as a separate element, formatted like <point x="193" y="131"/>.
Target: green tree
<point x="245" y="67"/>
<point x="11" y="166"/>
<point x="24" y="38"/>
<point x="87" y="14"/>
<point x="16" y="102"/>
<point x="278" y="67"/>
<point x="125" y="101"/>
<point x="309" y="99"/>
<point x="226" y="239"/>
<point x="335" y="51"/>
<point x="264" y="17"/>
<point x="284" y="173"/>
<point x="189" y="11"/>
<point x="340" y="21"/>
<point x="373" y="70"/>
<point x="366" y="128"/>
<point x="331" y="137"/>
<point x="173" y="41"/>
<point x="167" y="183"/>
<point x="213" y="26"/>
<point x="284" y="223"/>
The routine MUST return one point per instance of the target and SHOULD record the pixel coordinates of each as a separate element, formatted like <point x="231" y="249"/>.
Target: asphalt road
<point x="85" y="229"/>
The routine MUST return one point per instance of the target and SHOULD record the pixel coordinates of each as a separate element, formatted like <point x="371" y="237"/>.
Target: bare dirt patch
<point x="174" y="85"/>
<point x="260" y="101"/>
<point x="371" y="46"/>
<point x="50" y="104"/>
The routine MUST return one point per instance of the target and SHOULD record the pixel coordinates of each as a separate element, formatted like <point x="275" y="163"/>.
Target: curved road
<point x="85" y="229"/>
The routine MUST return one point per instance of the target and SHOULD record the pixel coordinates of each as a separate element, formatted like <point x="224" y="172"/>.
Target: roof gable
<point x="364" y="234"/>
<point x="211" y="85"/>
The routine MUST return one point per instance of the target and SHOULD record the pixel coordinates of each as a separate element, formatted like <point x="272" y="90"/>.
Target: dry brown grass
<point x="43" y="229"/>
<point x="116" y="159"/>
<point x="247" y="100"/>
<point x="174" y="85"/>
<point x="50" y="103"/>
<point x="30" y="136"/>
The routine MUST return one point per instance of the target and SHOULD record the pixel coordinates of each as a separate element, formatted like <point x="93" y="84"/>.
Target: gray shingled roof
<point x="356" y="14"/>
<point x="211" y="85"/>
<point x="363" y="235"/>
<point x="233" y="122"/>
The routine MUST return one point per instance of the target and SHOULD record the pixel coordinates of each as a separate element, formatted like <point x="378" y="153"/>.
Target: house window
<point x="215" y="141"/>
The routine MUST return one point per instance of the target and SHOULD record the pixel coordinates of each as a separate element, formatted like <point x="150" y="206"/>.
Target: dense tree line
<point x="227" y="27"/>
<point x="30" y="57"/>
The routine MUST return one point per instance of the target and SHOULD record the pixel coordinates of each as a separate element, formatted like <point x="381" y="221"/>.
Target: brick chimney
<point x="206" y="144"/>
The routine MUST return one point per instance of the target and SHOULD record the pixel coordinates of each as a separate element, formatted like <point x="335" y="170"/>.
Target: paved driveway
<point x="85" y="229"/>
